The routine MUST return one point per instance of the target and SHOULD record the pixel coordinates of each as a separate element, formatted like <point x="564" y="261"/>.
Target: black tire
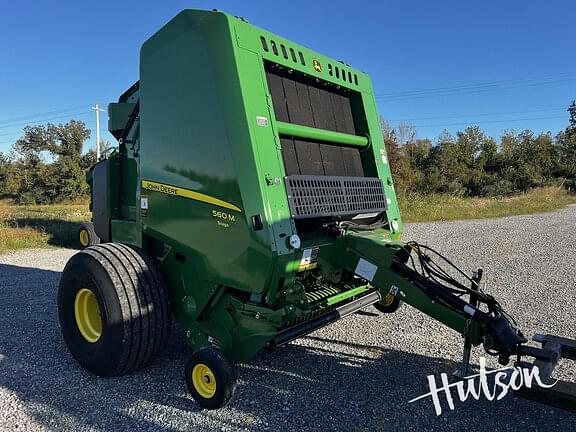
<point x="132" y="304"/>
<point x="389" y="304"/>
<point x="219" y="370"/>
<point x="87" y="235"/>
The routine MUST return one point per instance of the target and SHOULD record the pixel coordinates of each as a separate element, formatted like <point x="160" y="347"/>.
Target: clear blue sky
<point x="438" y="64"/>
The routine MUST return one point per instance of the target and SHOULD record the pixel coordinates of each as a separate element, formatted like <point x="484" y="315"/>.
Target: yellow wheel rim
<point x="84" y="238"/>
<point x="388" y="300"/>
<point x="204" y="381"/>
<point x="87" y="313"/>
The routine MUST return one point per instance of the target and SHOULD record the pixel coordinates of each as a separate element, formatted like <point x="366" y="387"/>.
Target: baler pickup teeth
<point x="320" y="294"/>
<point x="563" y="393"/>
<point x="306" y="327"/>
<point x="324" y="301"/>
<point x="332" y="296"/>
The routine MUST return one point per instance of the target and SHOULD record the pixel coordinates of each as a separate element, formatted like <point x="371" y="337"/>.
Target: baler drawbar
<point x="251" y="198"/>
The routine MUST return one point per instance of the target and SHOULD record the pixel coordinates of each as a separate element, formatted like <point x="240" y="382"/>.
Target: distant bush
<point x="28" y="178"/>
<point x="474" y="164"/>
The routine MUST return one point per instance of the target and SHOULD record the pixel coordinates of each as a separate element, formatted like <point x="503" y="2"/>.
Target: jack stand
<point x="464" y="370"/>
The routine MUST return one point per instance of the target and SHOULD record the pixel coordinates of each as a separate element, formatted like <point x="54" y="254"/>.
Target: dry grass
<point x="418" y="208"/>
<point x="32" y="226"/>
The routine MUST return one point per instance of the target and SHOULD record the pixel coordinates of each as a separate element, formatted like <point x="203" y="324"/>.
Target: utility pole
<point x="97" y="109"/>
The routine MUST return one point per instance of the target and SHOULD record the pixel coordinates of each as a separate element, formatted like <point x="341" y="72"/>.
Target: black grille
<point x="320" y="196"/>
<point x="308" y="103"/>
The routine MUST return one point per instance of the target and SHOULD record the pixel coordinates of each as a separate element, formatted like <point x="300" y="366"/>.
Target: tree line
<point x="48" y="165"/>
<point x="474" y="164"/>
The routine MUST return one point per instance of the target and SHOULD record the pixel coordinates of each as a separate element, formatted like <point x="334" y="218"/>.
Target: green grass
<point x="418" y="208"/>
<point x="32" y="226"/>
<point x="36" y="226"/>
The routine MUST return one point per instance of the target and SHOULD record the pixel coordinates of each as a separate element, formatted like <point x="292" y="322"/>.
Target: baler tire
<point x="113" y="309"/>
<point x="87" y="235"/>
<point x="210" y="378"/>
<point x="388" y="305"/>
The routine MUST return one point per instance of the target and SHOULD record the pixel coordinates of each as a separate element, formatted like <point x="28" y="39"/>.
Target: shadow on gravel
<point x="336" y="385"/>
<point x="62" y="233"/>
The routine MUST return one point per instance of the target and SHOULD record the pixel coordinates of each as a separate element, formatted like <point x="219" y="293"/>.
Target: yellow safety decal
<point x="309" y="259"/>
<point x="317" y="66"/>
<point x="186" y="193"/>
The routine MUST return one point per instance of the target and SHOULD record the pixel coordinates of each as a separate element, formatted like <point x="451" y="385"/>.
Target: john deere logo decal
<point x="317" y="65"/>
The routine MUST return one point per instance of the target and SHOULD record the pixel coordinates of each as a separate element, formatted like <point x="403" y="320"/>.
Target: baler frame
<point x="251" y="191"/>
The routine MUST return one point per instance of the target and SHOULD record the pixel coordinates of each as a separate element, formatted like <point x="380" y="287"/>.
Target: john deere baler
<point x="251" y="198"/>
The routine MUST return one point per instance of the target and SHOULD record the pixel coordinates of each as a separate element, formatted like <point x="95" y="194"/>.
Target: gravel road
<point x="356" y="375"/>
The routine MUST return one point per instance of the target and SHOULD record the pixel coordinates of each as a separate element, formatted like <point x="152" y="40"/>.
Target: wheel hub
<point x="204" y="381"/>
<point x="84" y="238"/>
<point x="87" y="314"/>
<point x="388" y="300"/>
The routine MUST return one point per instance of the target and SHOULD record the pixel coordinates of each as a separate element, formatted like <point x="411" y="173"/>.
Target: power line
<point x="488" y="121"/>
<point x="20" y="132"/>
<point x="477" y="85"/>
<point x="471" y="88"/>
<point x="477" y="115"/>
<point x="44" y="114"/>
<point x="471" y="91"/>
<point x="464" y="86"/>
<point x="44" y="120"/>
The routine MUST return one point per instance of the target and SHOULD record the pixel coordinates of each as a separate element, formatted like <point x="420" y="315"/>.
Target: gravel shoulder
<point x="356" y="375"/>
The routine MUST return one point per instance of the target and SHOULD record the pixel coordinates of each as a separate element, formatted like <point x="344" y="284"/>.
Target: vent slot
<point x="322" y="196"/>
<point x="346" y="74"/>
<point x="285" y="49"/>
<point x="264" y="44"/>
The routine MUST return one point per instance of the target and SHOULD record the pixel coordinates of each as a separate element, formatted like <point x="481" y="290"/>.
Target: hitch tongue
<point x="563" y="393"/>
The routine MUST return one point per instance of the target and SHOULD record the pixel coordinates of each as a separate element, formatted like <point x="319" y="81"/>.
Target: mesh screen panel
<point x="321" y="196"/>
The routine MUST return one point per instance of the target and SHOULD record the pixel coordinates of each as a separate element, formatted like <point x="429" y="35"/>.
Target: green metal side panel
<point x="266" y="148"/>
<point x="194" y="137"/>
<point x="124" y="231"/>
<point x="118" y="114"/>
